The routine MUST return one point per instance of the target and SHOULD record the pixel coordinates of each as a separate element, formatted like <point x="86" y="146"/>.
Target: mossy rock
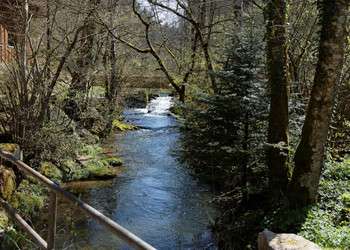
<point x="7" y="182"/>
<point x="97" y="162"/>
<point x="9" y="147"/>
<point x="115" y="162"/>
<point x="51" y="171"/>
<point x="73" y="171"/>
<point x="100" y="173"/>
<point x="78" y="174"/>
<point x="13" y="149"/>
<point x="91" y="150"/>
<point x="122" y="127"/>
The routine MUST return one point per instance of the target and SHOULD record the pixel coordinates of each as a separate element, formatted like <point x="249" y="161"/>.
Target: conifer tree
<point x="227" y="130"/>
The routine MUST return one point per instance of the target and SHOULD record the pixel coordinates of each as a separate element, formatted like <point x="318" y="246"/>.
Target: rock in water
<point x="268" y="240"/>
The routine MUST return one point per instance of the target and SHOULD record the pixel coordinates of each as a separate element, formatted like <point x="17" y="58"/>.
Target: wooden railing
<point x="55" y="190"/>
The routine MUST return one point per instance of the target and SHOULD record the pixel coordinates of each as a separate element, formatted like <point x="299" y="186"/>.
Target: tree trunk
<point x="238" y="11"/>
<point x="278" y="131"/>
<point x="85" y="57"/>
<point x="24" y="94"/>
<point x="302" y="190"/>
<point x="84" y="65"/>
<point x="112" y="60"/>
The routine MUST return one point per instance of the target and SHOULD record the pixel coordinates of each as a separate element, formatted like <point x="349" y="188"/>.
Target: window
<point x="11" y="40"/>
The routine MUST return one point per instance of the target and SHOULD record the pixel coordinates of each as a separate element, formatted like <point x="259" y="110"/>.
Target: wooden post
<point x="52" y="221"/>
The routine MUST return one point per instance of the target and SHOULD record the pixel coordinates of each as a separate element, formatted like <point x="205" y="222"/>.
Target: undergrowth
<point x="327" y="223"/>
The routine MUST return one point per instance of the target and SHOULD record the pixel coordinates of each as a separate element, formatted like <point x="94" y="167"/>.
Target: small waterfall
<point x="155" y="116"/>
<point x="160" y="105"/>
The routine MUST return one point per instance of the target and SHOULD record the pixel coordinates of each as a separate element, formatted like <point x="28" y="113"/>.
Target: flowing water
<point x="154" y="197"/>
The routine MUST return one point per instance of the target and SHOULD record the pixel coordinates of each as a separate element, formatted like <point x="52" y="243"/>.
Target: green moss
<point x="91" y="150"/>
<point x="98" y="162"/>
<point x="28" y="200"/>
<point x="9" y="147"/>
<point x="120" y="126"/>
<point x="51" y="171"/>
<point x="115" y="162"/>
<point x="98" y="168"/>
<point x="7" y="182"/>
<point x="97" y="91"/>
<point x="73" y="171"/>
<point x="98" y="172"/>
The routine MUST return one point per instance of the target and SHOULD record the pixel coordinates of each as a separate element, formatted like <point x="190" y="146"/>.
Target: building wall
<point x="6" y="51"/>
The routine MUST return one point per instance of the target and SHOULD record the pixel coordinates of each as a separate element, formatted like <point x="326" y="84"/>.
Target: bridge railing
<point x="55" y="190"/>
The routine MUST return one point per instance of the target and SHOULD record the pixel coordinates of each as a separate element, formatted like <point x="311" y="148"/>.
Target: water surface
<point x="154" y="197"/>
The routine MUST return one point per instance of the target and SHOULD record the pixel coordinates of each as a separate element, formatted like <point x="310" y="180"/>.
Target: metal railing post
<point x="52" y="221"/>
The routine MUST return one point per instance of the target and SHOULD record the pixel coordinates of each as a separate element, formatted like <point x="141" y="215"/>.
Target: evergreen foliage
<point x="226" y="131"/>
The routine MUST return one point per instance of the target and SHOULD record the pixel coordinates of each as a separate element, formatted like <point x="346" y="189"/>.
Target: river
<point x="154" y="196"/>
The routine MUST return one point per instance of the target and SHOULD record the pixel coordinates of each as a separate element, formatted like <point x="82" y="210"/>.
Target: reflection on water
<point x="154" y="197"/>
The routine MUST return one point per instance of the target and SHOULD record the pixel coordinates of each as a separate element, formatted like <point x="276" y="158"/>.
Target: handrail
<point x="106" y="222"/>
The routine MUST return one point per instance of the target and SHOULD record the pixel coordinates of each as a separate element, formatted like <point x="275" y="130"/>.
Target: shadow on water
<point x="154" y="197"/>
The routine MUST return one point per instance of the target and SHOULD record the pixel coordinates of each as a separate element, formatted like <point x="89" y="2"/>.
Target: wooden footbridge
<point x="56" y="190"/>
<point x="149" y="82"/>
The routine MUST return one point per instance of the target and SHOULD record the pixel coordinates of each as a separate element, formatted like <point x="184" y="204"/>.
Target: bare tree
<point x="187" y="13"/>
<point x="27" y="88"/>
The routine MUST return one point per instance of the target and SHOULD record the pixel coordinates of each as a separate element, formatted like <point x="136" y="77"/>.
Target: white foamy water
<point x="160" y="105"/>
<point x="141" y="111"/>
<point x="154" y="116"/>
